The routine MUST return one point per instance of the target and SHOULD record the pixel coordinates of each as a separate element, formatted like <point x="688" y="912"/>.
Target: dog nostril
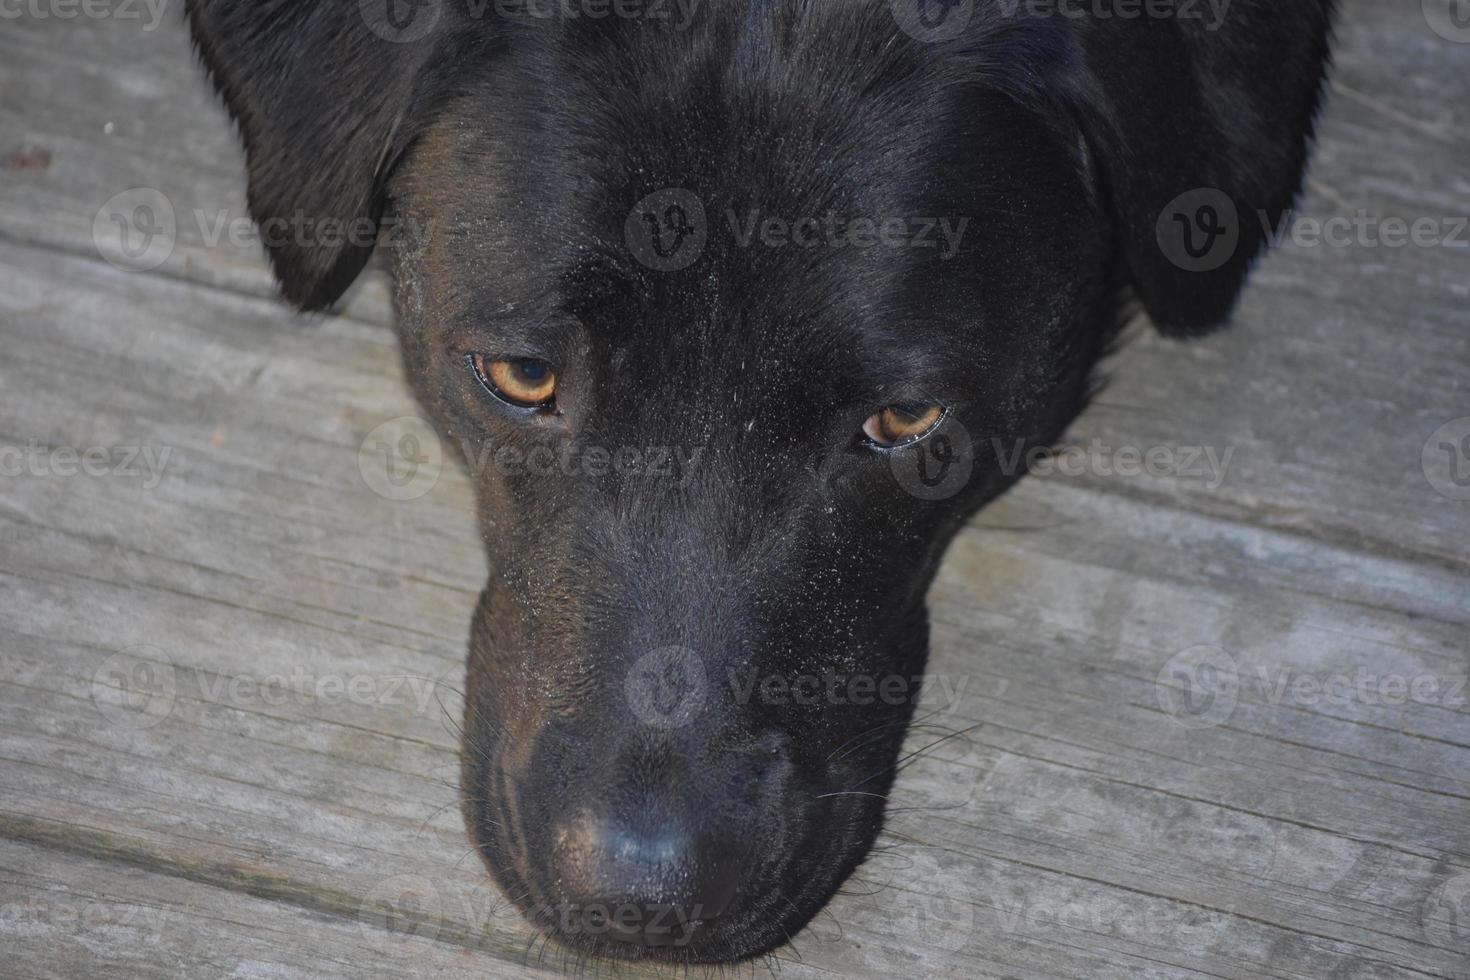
<point x="650" y="887"/>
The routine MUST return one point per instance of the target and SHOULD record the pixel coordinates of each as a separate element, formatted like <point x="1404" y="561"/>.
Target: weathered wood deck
<point x="283" y="804"/>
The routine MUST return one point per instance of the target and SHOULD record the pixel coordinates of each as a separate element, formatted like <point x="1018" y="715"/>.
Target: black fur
<point x="508" y="152"/>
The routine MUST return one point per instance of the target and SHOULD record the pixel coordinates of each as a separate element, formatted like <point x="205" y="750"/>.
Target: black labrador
<point x="839" y="258"/>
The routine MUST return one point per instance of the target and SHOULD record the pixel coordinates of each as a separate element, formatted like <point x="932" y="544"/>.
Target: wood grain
<point x="283" y="804"/>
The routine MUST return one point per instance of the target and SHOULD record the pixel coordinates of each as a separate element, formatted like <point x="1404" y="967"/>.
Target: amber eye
<point x="897" y="425"/>
<point x="522" y="381"/>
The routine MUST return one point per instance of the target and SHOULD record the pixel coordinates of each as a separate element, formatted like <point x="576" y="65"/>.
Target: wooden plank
<point x="1342" y="360"/>
<point x="91" y="108"/>
<point x="66" y="915"/>
<point x="235" y="566"/>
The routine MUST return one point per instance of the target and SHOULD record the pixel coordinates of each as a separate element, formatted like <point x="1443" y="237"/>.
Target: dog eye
<point x="521" y="381"/>
<point x="898" y="425"/>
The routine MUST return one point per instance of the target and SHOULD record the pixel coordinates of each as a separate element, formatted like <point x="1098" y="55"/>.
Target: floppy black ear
<point x="1199" y="124"/>
<point x="327" y="95"/>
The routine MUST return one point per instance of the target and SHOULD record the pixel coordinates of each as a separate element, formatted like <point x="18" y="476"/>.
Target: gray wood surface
<point x="283" y="804"/>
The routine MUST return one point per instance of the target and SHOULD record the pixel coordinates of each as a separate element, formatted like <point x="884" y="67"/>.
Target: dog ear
<point x="327" y="94"/>
<point x="1199" y="128"/>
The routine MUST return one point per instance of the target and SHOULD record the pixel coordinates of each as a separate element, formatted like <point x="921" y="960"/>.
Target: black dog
<point x="830" y="253"/>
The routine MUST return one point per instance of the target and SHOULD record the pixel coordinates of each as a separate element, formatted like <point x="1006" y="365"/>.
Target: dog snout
<point x="654" y="879"/>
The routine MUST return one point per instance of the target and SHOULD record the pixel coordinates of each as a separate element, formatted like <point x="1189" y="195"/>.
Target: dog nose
<point x="651" y="881"/>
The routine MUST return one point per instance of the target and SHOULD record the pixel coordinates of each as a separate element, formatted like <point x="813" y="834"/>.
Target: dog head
<point x="735" y="318"/>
